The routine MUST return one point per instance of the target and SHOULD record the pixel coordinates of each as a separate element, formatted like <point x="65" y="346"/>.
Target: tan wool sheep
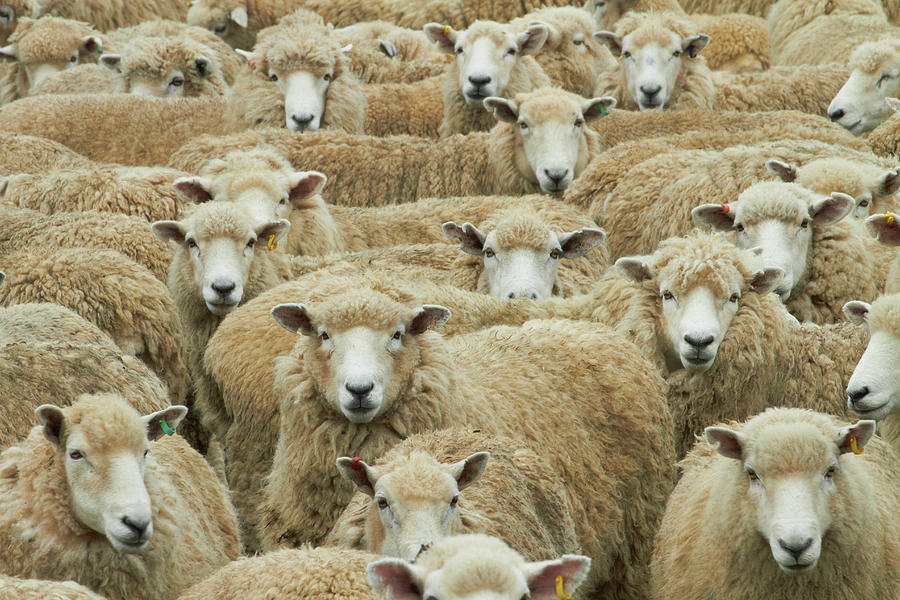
<point x="861" y="104"/>
<point x="885" y="229"/>
<point x="98" y="494"/>
<point x="82" y="79"/>
<point x="790" y="504"/>
<point x="30" y="154"/>
<point x="718" y="7"/>
<point x="13" y="588"/>
<point x="10" y="11"/>
<point x="238" y="22"/>
<point x="111" y="14"/>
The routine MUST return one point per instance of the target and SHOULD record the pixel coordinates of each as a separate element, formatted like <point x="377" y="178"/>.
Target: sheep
<point x="808" y="513"/>
<point x="477" y="565"/>
<point x="83" y="79"/>
<point x="885" y="139"/>
<point x="303" y="574"/>
<point x="144" y="192"/>
<point x="13" y="588"/>
<point x="412" y="497"/>
<point x="119" y="296"/>
<point x="809" y="88"/>
<point x="10" y="11"/>
<point x="128" y="235"/>
<point x="718" y="7"/>
<point x="885" y="229"/>
<point x="860" y="105"/>
<point x="825" y="262"/>
<point x="540" y="145"/>
<point x="871" y="390"/>
<point x="492" y="60"/>
<point x="42" y="47"/>
<point x="114" y="13"/>
<point x="82" y="500"/>
<point x="30" y="154"/>
<point x="219" y="263"/>
<point x="238" y="22"/>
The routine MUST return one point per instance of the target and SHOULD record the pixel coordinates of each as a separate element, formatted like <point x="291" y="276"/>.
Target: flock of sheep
<point x="468" y="299"/>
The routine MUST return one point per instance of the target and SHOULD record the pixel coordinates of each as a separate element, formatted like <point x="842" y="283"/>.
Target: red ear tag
<point x="356" y="466"/>
<point x="252" y="62"/>
<point x="725" y="209"/>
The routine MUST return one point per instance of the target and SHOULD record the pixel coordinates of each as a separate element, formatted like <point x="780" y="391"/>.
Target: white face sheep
<point x="217" y="17"/>
<point x="861" y="105"/>
<point x="778" y="219"/>
<point x="873" y="391"/>
<point x="166" y="68"/>
<point x="523" y="261"/>
<point x="106" y="473"/>
<point x="416" y="502"/>
<point x="652" y="56"/>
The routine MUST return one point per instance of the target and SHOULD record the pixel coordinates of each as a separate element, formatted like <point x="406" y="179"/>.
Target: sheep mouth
<point x="649" y="104"/>
<point x="128" y="547"/>
<point x="798" y="567"/>
<point x="870" y="413"/>
<point x="475" y="97"/>
<point x="699" y="362"/>
<point x="853" y="128"/>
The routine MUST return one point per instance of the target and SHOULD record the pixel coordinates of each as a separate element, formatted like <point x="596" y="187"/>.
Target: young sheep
<point x="861" y="105"/>
<point x="783" y="507"/>
<point x="479" y="566"/>
<point x="13" y="588"/>
<point x="413" y="497"/>
<point x="220" y="262"/>
<point x="39" y="48"/>
<point x="94" y="495"/>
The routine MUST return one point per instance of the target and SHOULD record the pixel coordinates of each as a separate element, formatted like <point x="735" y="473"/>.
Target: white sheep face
<point x="695" y="322"/>
<point x="873" y="391"/>
<point x="860" y="105"/>
<point x="37" y="71"/>
<point x="170" y="86"/>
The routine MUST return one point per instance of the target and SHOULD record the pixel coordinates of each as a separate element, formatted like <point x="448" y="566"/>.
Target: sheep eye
<point x="804" y="223"/>
<point x="282" y="201"/>
<point x="883" y="78"/>
<point x="459" y="50"/>
<point x="511" y="51"/>
<point x="76" y="455"/>
<point x="667" y="295"/>
<point x="626" y="55"/>
<point x="488" y="253"/>
<point x="146" y="452"/>
<point x="327" y="77"/>
<point x="864" y="203"/>
<point x="677" y="53"/>
<point x="273" y="77"/>
<point x="455" y="501"/>
<point x="250" y="243"/>
<point x="397" y="335"/>
<point x="578" y="41"/>
<point x="829" y="474"/>
<point x="734" y="297"/>
<point x="219" y="28"/>
<point x="738" y="227"/>
<point x="523" y="125"/>
<point x="579" y="122"/>
<point x="74" y="59"/>
<point x="752" y="475"/>
<point x="555" y="253"/>
<point x="382" y="503"/>
<point x="324" y="337"/>
<point x="192" y="243"/>
<point x="178" y="81"/>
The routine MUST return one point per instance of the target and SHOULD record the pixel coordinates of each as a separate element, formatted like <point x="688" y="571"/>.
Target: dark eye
<point x="626" y="55"/>
<point x="192" y="243"/>
<point x="250" y="243"/>
<point x="829" y="474"/>
<point x="523" y="125"/>
<point x="579" y="122"/>
<point x="282" y="201"/>
<point x="327" y="77"/>
<point x="667" y="295"/>
<point x="177" y="81"/>
<point x="146" y="452"/>
<point x="397" y="335"/>
<point x="738" y="227"/>
<point x="220" y="28"/>
<point x="555" y="253"/>
<point x="863" y="202"/>
<point x="578" y="41"/>
<point x="883" y="78"/>
<point x="752" y="475"/>
<point x="382" y="503"/>
<point x="324" y="336"/>
<point x="511" y="51"/>
<point x="74" y="59"/>
<point x="273" y="77"/>
<point x="734" y="297"/>
<point x="804" y="223"/>
<point x="488" y="253"/>
<point x="459" y="50"/>
<point x="76" y="455"/>
<point x="676" y="54"/>
<point x="455" y="501"/>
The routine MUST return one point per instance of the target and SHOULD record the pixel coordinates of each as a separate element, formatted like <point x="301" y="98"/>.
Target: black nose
<point x="698" y="342"/>
<point x="837" y="115"/>
<point x="556" y="175"/>
<point x="479" y="79"/>
<point x="136" y="526"/>
<point x="650" y="91"/>
<point x="302" y="120"/>
<point x="222" y="287"/>
<point x="796" y="548"/>
<point x="858" y="394"/>
<point x="359" y="389"/>
<point x="512" y="295"/>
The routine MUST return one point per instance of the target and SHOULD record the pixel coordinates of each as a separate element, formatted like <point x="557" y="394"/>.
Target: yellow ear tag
<point x="853" y="446"/>
<point x="272" y="244"/>
<point x="447" y="30"/>
<point x="560" y="590"/>
<point x="889" y="217"/>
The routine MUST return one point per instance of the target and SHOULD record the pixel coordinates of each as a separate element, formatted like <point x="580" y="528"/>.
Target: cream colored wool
<point x="83" y="79"/>
<point x="13" y="9"/>
<point x="718" y="7"/>
<point x="194" y="527"/>
<point x="414" y="109"/>
<point x="31" y="154"/>
<point x="809" y="88"/>
<point x="416" y="57"/>
<point x="885" y="139"/>
<point x="13" y="588"/>
<point x="238" y="22"/>
<point x="709" y="545"/>
<point x="107" y="15"/>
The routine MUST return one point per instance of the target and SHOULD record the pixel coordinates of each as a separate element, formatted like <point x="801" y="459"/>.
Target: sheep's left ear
<point x="8" y="53"/>
<point x="694" y="44"/>
<point x="293" y="317"/>
<point x="884" y="228"/>
<point x="359" y="474"/>
<point x="890" y="182"/>
<point x="766" y="280"/>
<point x="831" y="209"/>
<point x="468" y="470"/>
<point x="541" y="576"/>
<point x="112" y="61"/>
<point x="533" y="39"/>
<point x="470" y="239"/>
<point x="396" y="578"/>
<point x="442" y="35"/>
<point x="787" y="172"/>
<point x="635" y="268"/>
<point x="861" y="430"/>
<point x="277" y="228"/>
<point x="239" y="16"/>
<point x="305" y="184"/>
<point x="857" y="312"/>
<point x="611" y="40"/>
<point x="595" y="108"/>
<point x="51" y="417"/>
<point x="730" y="442"/>
<point x="715" y="216"/>
<point x="6" y="15"/>
<point x="194" y="189"/>
<point x="578" y="243"/>
<point x="505" y="110"/>
<point x="428" y="316"/>
<point x="203" y="65"/>
<point x="164" y="421"/>
<point x="168" y="231"/>
<point x="91" y="43"/>
<point x="387" y="48"/>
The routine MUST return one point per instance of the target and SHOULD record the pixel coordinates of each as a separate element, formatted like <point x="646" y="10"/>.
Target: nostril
<point x="858" y="394"/>
<point x="699" y="342"/>
<point x="837" y="115"/>
<point x="511" y="295"/>
<point x="556" y="175"/>
<point x="359" y="389"/>
<point x="302" y="119"/>
<point x="223" y="287"/>
<point x="479" y="79"/>
<point x="651" y="90"/>
<point x="138" y="527"/>
<point x="796" y="548"/>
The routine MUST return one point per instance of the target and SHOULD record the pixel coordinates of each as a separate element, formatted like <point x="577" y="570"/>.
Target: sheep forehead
<point x="356" y="308"/>
<point x="309" y="48"/>
<point x="106" y="423"/>
<point x="885" y="315"/>
<point x="792" y="447"/>
<point x="523" y="231"/>
<point x="702" y="260"/>
<point x="468" y="564"/>
<point x="873" y="57"/>
<point x="787" y="202"/>
<point x="218" y="219"/>
<point x="548" y="105"/>
<point x="662" y="29"/>
<point x="417" y="477"/>
<point x="53" y="40"/>
<point x="157" y="57"/>
<point x="840" y="175"/>
<point x="499" y="34"/>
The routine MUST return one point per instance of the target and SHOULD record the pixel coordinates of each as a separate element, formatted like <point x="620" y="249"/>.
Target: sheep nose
<point x="302" y="120"/>
<point x="479" y="79"/>
<point x="837" y="115"/>
<point x="858" y="394"/>
<point x="650" y="90"/>
<point x="796" y="548"/>
<point x="556" y="175"/>
<point x="223" y="287"/>
<point x="137" y="526"/>
<point x="359" y="389"/>
<point x="699" y="342"/>
<point x="523" y="294"/>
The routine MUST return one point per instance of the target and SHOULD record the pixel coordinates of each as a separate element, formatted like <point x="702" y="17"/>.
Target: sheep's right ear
<point x="428" y="316"/>
<point x="766" y="280"/>
<point x="884" y="228"/>
<point x="396" y="578"/>
<point x="730" y="441"/>
<point x="305" y="184"/>
<point x="714" y="216"/>
<point x="635" y="268"/>
<point x="194" y="189"/>
<point x="595" y="108"/>
<point x="857" y="312"/>
<point x="164" y="421"/>
<point x="8" y="53"/>
<point x="6" y="15"/>
<point x="890" y="182"/>
<point x="468" y="470"/>
<point x="578" y="243"/>
<point x="239" y="16"/>
<point x="533" y="39"/>
<point x="112" y="61"/>
<point x="387" y="48"/>
<point x="51" y="417"/>
<point x="862" y="431"/>
<point x="470" y="239"/>
<point x="784" y="171"/>
<point x="169" y="231"/>
<point x="92" y="43"/>
<point x="611" y="40"/>
<point x="359" y="474"/>
<point x="505" y="110"/>
<point x="443" y="35"/>
<point x="831" y="209"/>
<point x="294" y="317"/>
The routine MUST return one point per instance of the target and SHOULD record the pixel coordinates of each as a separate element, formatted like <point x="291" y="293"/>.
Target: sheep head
<point x="163" y="68"/>
<point x="861" y="104"/>
<point x="873" y="391"/>
<point x="103" y="443"/>
<point x="228" y="19"/>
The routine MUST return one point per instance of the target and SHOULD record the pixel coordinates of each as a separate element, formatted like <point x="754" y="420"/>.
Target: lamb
<point x="13" y="588"/>
<point x="808" y="513"/>
<point x="114" y="13"/>
<point x="826" y="263"/>
<point x="477" y="564"/>
<point x="30" y="154"/>
<point x="861" y="104"/>
<point x="345" y="401"/>
<point x="428" y="498"/>
<point x="219" y="263"/>
<point x="42" y="47"/>
<point x="82" y="500"/>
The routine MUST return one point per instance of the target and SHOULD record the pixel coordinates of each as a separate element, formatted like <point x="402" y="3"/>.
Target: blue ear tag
<point x="165" y="427"/>
<point x="691" y="52"/>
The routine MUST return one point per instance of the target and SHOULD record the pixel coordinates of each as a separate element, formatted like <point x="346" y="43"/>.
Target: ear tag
<point x="560" y="590"/>
<point x="205" y="69"/>
<point x="725" y="209"/>
<point x="272" y="244"/>
<point x="165" y="427"/>
<point x="692" y="52"/>
<point x="356" y="465"/>
<point x="853" y="445"/>
<point x="889" y="217"/>
<point x="251" y="62"/>
<point x="447" y="29"/>
<point x="603" y="110"/>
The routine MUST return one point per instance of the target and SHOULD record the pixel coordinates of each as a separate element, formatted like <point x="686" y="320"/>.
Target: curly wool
<point x="13" y="588"/>
<point x="738" y="43"/>
<point x="32" y="154"/>
<point x="83" y="79"/>
<point x="107" y="15"/>
<point x="416" y="59"/>
<point x="809" y="88"/>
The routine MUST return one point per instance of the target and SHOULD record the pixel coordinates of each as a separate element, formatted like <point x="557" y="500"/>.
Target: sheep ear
<point x="51" y="417"/>
<point x="249" y="56"/>
<point x="611" y="40"/>
<point x="164" y="421"/>
<point x="884" y="228"/>
<point x="731" y="443"/>
<point x="595" y="108"/>
<point x="578" y="243"/>
<point x="396" y="578"/>
<point x="4" y="186"/>
<point x="442" y="35"/>
<point x="305" y="184"/>
<point x="6" y="15"/>
<point x="784" y="171"/>
<point x="8" y="53"/>
<point x="387" y="48"/>
<point x="239" y="16"/>
<point x="194" y="189"/>
<point x="428" y="316"/>
<point x="857" y="311"/>
<point x="766" y="280"/>
<point x="541" y="576"/>
<point x="861" y="430"/>
<point x="169" y="231"/>
<point x="714" y="216"/>
<point x="831" y="209"/>
<point x="470" y="239"/>
<point x="359" y="474"/>
<point x="204" y="66"/>
<point x="91" y="43"/>
<point x="635" y="268"/>
<point x="265" y="232"/>
<point x="294" y="317"/>
<point x="2" y="277"/>
<point x="468" y="470"/>
<point x="890" y="182"/>
<point x="503" y="109"/>
<point x="533" y="39"/>
<point x="112" y="61"/>
<point x="694" y="44"/>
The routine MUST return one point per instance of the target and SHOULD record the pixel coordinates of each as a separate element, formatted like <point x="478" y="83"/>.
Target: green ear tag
<point x="165" y="427"/>
<point x="603" y="110"/>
